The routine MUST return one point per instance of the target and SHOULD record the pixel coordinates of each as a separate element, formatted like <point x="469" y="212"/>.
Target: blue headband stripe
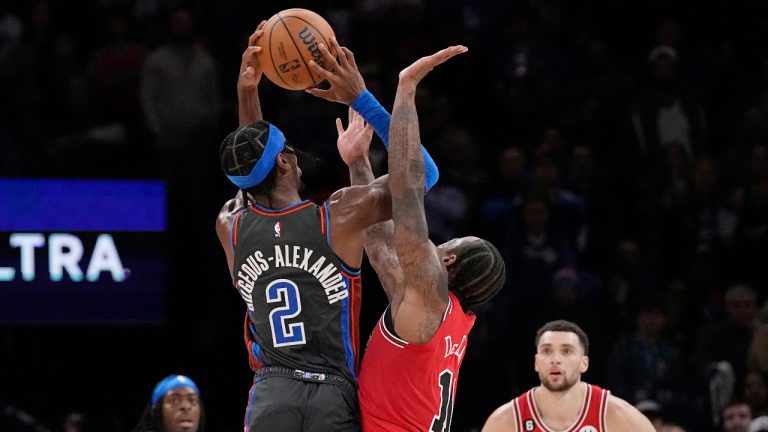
<point x="170" y="383"/>
<point x="275" y="144"/>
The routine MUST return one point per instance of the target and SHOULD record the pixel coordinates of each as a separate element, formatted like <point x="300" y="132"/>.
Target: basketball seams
<point x="282" y="19"/>
<point x="272" y="57"/>
<point x="296" y="45"/>
<point x="318" y="34"/>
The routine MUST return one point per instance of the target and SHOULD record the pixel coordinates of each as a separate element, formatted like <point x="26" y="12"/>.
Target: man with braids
<point x="175" y="406"/>
<point x="563" y="402"/>
<point x="410" y="368"/>
<point x="296" y="264"/>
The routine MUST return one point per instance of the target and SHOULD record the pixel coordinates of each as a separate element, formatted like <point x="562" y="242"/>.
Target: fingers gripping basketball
<point x="290" y="41"/>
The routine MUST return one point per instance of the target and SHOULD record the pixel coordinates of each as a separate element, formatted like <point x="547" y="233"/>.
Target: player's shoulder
<point x="618" y="404"/>
<point x="622" y="416"/>
<point x="502" y="419"/>
<point x="229" y="211"/>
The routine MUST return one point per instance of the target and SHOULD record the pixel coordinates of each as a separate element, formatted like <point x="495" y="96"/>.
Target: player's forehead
<point x="181" y="391"/>
<point x="558" y="338"/>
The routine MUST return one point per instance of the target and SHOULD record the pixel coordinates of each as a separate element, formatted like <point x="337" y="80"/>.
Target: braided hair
<point x="479" y="273"/>
<point x="240" y="151"/>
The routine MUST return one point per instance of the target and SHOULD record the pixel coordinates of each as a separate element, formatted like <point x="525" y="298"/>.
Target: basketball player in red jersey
<point x="410" y="367"/>
<point x="563" y="402"/>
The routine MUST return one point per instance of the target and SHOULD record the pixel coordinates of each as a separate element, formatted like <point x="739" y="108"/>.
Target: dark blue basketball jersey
<point x="302" y="303"/>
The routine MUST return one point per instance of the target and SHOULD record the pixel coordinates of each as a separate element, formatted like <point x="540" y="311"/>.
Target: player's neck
<point x="560" y="408"/>
<point x="278" y="199"/>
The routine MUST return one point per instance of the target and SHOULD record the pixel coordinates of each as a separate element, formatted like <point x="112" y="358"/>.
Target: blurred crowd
<point x="616" y="153"/>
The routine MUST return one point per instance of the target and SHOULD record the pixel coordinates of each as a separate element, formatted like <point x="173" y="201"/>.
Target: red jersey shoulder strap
<point x="599" y="406"/>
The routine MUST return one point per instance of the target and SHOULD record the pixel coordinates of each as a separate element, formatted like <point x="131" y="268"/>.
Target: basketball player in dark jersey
<point x="296" y="266"/>
<point x="563" y="402"/>
<point x="410" y="367"/>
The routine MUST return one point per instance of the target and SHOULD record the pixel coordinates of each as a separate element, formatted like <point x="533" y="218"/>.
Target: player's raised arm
<point x="251" y="71"/>
<point x="353" y="144"/>
<point x="249" y="111"/>
<point x="426" y="282"/>
<point x="348" y="87"/>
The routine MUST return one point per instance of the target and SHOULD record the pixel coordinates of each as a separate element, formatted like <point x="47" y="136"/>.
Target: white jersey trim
<point x="579" y="420"/>
<point x="388" y="335"/>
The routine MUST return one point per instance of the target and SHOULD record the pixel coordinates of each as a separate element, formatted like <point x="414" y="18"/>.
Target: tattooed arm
<point x="425" y="297"/>
<point x="379" y="242"/>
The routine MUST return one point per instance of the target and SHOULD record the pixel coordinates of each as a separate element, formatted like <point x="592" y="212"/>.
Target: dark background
<point x="627" y="191"/>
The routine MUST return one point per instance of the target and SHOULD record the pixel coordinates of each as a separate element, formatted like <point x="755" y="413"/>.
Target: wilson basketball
<point x="289" y="42"/>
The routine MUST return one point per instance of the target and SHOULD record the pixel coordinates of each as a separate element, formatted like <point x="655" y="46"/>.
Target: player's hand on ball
<point x="250" y="66"/>
<point x="345" y="80"/>
<point x="414" y="73"/>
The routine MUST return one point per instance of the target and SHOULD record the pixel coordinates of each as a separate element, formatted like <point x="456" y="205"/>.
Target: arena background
<point x="614" y="151"/>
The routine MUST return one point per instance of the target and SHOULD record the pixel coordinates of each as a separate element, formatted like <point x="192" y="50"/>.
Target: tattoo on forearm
<point x="409" y="215"/>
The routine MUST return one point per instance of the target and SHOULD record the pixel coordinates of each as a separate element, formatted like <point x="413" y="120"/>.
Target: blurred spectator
<point x="752" y="230"/>
<point x="698" y="228"/>
<point x="73" y="422"/>
<point x="756" y="393"/>
<point x="506" y="189"/>
<point x="665" y="112"/>
<point x="537" y="250"/>
<point x="727" y="338"/>
<point x="646" y="365"/>
<point x="663" y="115"/>
<point x="115" y="72"/>
<point x="180" y="97"/>
<point x="569" y="211"/>
<point x="736" y="417"/>
<point x="629" y="280"/>
<point x="759" y="424"/>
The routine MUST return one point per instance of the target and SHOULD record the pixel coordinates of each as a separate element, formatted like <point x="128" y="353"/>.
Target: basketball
<point x="289" y="42"/>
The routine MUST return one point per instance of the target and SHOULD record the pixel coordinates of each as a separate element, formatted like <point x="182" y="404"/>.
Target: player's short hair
<point x="240" y="151"/>
<point x="479" y="273"/>
<point x="564" y="326"/>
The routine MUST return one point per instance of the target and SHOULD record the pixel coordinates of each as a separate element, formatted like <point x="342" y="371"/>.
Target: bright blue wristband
<point x="375" y="114"/>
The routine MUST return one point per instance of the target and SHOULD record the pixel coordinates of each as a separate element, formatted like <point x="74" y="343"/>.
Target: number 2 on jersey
<point x="442" y="421"/>
<point x="283" y="334"/>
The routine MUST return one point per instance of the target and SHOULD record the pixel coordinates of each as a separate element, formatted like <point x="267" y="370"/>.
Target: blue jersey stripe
<point x="345" y="331"/>
<point x="327" y="224"/>
<point x="351" y="273"/>
<point x="250" y="403"/>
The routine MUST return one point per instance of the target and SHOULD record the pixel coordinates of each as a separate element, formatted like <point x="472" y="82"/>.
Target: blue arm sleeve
<point x="375" y="114"/>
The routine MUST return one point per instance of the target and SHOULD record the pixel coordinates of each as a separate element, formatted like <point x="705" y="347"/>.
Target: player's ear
<point x="584" y="364"/>
<point x="449" y="260"/>
<point x="282" y="162"/>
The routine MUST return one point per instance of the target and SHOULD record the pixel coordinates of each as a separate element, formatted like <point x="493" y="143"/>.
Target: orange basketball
<point x="289" y="42"/>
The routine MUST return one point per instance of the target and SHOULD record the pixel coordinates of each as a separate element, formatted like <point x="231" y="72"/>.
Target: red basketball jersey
<point x="591" y="418"/>
<point x="411" y="387"/>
